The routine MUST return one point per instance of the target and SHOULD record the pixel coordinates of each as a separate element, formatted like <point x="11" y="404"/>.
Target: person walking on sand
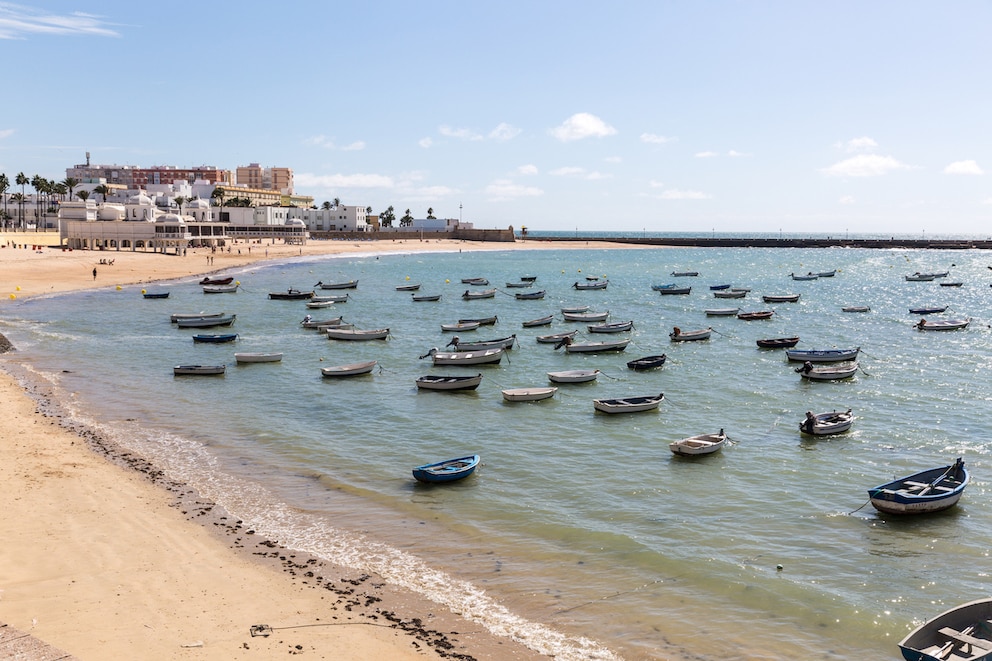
<point x="94" y="273"/>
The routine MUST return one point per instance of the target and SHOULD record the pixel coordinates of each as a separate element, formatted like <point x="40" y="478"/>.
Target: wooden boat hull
<point x="729" y="294"/>
<point x="618" y="327"/>
<point x="573" y="376"/>
<point x="529" y="394"/>
<point x="822" y="355"/>
<point x="785" y="298"/>
<point x="647" y="363"/>
<point x="690" y="336"/>
<point x="501" y="343"/>
<point x="827" y="424"/>
<point x="555" y="338"/>
<point x="164" y="294"/>
<point x="531" y="296"/>
<point x="928" y="491"/>
<point x="944" y="325"/>
<point x="408" y="287"/>
<point x="856" y="308"/>
<point x="596" y="347"/>
<point x="778" y="343"/>
<point x="930" y="310"/>
<point x="258" y="357"/>
<point x="199" y="370"/>
<point x="753" y="316"/>
<point x="354" y="369"/>
<point x="675" y="291"/>
<point x="471" y="295"/>
<point x="219" y="289"/>
<point x="216" y="339"/>
<point x="600" y="284"/>
<point x="351" y="284"/>
<point x="719" y="287"/>
<point x="432" y="382"/>
<point x="355" y="335"/>
<point x="628" y="404"/>
<point x="543" y="321"/>
<point x="291" y="295"/>
<point x="828" y="373"/>
<point x="427" y="299"/>
<point x="468" y="358"/>
<point x="216" y="281"/>
<point x="722" y="312"/>
<point x="482" y="282"/>
<point x="956" y="628"/>
<point x="585" y="316"/>
<point x="698" y="445"/>
<point x="175" y="318"/>
<point x="310" y="323"/>
<point x="447" y="471"/>
<point x="484" y="321"/>
<point x="206" y="322"/>
<point x="575" y="310"/>
<point x="684" y="274"/>
<point x="454" y="328"/>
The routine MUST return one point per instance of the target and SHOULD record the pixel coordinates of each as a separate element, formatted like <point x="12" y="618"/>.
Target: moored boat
<point x="647" y="362"/>
<point x="353" y="369"/>
<point x="467" y="358"/>
<point x="943" y="324"/>
<point x="529" y="394"/>
<point x="595" y="284"/>
<point x="220" y="289"/>
<point x="573" y="376"/>
<point x="756" y="314"/>
<point x="540" y="321"/>
<point x="290" y="295"/>
<point x="472" y="295"/>
<point x="199" y="370"/>
<point x="616" y="327"/>
<point x="174" y="318"/>
<point x="426" y="298"/>
<point x="519" y="285"/>
<point x="356" y="334"/>
<point x="216" y="339"/>
<point x="961" y="633"/>
<point x="258" y="357"/>
<point x="780" y="298"/>
<point x="778" y="343"/>
<point x="675" y="291"/>
<point x="934" y="309"/>
<point x="575" y="309"/>
<point x="932" y="490"/>
<point x="216" y="281"/>
<point x="826" y="424"/>
<point x="350" y="284"/>
<point x="628" y="404"/>
<point x="447" y="471"/>
<point x="679" y="335"/>
<point x="829" y="373"/>
<point x="555" y="338"/>
<point x="310" y="322"/>
<point x="700" y="444"/>
<point x="684" y="274"/>
<point x="413" y="287"/>
<point x="206" y="322"/>
<point x="729" y="294"/>
<point x="719" y="287"/>
<point x="158" y="294"/>
<point x="585" y="316"/>
<point x="481" y="282"/>
<point x="822" y="355"/>
<point x="855" y="308"/>
<point x="481" y="345"/>
<point x="920" y="277"/>
<point x="438" y="382"/>
<point x="482" y="321"/>
<point x="721" y="312"/>
<point x="592" y="347"/>
<point x="460" y="326"/>
<point x="531" y="295"/>
<point x="808" y="276"/>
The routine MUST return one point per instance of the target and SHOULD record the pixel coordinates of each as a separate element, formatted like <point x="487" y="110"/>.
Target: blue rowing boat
<point x="932" y="490"/>
<point x="447" y="471"/>
<point x="216" y="339"/>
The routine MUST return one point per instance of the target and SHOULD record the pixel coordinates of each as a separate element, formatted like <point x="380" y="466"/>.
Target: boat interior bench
<point x="913" y="486"/>
<point x="954" y="634"/>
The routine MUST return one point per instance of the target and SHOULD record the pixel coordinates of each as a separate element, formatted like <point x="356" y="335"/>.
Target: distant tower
<point x="87" y="159"/>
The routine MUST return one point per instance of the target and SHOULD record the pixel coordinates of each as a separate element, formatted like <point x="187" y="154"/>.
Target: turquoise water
<point x="581" y="534"/>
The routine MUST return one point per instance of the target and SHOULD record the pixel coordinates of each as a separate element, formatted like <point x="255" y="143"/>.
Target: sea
<point x="581" y="534"/>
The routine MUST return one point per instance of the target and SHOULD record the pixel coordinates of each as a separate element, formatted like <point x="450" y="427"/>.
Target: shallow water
<point x="577" y="523"/>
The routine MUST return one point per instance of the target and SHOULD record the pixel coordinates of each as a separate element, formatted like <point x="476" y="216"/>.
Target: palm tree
<point x="69" y="184"/>
<point x="59" y="189"/>
<point x="38" y="183"/>
<point x="218" y="193"/>
<point x="83" y="195"/>
<point x="326" y="206"/>
<point x="4" y="186"/>
<point x="337" y="202"/>
<point x="430" y="213"/>
<point x="368" y="211"/>
<point x="22" y="181"/>
<point x="406" y="220"/>
<point x="180" y="201"/>
<point x="19" y="199"/>
<point x="387" y="217"/>
<point x="102" y="190"/>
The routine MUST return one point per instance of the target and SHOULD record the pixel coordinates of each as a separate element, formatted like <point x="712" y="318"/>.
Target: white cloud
<point x="706" y="154"/>
<point x="580" y="173"/>
<point x="504" y="132"/>
<point x="461" y="134"/>
<point x="653" y="139"/>
<point x="333" y="181"/>
<point x="864" y="165"/>
<point x="676" y="194"/>
<point x="358" y="145"/>
<point x="847" y="199"/>
<point x="733" y="153"/>
<point x="963" y="167"/>
<point x="19" y="22"/>
<point x="328" y="143"/>
<point x="861" y="144"/>
<point x="504" y="189"/>
<point x="529" y="169"/>
<point x="6" y="133"/>
<point x="425" y="143"/>
<point x="582" y="125"/>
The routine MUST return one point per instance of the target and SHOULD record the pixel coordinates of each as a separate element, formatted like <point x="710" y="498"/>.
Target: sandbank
<point x="105" y="557"/>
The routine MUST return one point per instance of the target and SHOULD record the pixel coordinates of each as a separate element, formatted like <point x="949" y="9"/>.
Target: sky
<point x="556" y="115"/>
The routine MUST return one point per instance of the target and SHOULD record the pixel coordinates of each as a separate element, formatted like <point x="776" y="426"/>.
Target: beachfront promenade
<point x="829" y="242"/>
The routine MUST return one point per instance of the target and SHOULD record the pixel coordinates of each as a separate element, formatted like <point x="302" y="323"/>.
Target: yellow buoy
<point x="407" y="277"/>
<point x="446" y="281"/>
<point x="143" y="291"/>
<point x="119" y="287"/>
<point x="13" y="296"/>
<point x="580" y="270"/>
<point x="17" y="288"/>
<point x="237" y="282"/>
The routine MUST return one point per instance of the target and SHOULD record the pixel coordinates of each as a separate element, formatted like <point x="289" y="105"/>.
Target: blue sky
<point x="556" y="115"/>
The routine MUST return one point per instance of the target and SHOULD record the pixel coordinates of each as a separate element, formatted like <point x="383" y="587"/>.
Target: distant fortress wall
<point x="501" y="236"/>
<point x="706" y="242"/>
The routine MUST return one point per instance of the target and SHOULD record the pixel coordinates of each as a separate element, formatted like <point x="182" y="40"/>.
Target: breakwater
<point x="790" y="242"/>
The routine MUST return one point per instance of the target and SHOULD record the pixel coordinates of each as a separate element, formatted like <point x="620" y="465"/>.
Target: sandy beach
<point x="105" y="557"/>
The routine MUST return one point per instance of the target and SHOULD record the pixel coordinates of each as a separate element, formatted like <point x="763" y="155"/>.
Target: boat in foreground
<point x="628" y="404"/>
<point x="825" y="424"/>
<point x="822" y="355"/>
<point x="943" y="324"/>
<point x="701" y="444"/>
<point x="959" y="634"/>
<point x="354" y="369"/>
<point x="258" y="357"/>
<point x="206" y="322"/>
<point x="778" y="342"/>
<point x="216" y="339"/>
<point x="932" y="490"/>
<point x="447" y="471"/>
<point x="199" y="370"/>
<point x="438" y="382"/>
<point x="573" y="376"/>
<point x="647" y="362"/>
<point x="529" y="394"/>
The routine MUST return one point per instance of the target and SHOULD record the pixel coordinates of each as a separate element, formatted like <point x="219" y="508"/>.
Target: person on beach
<point x="94" y="273"/>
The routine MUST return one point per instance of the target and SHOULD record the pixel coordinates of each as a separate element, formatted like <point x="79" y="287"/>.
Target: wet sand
<point x="106" y="557"/>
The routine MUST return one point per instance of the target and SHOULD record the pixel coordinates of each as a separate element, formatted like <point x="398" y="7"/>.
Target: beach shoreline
<point x="103" y="577"/>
